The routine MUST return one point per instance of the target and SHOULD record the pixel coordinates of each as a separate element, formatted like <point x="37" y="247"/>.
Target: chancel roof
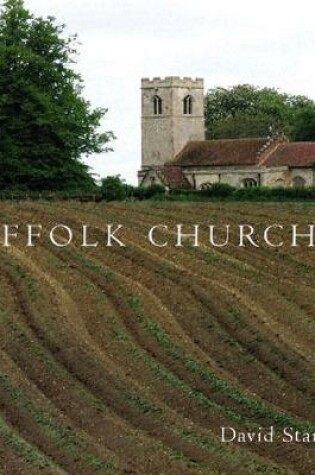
<point x="246" y="152"/>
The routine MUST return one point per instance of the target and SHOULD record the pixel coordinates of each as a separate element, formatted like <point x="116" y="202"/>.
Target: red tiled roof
<point x="247" y="152"/>
<point x="220" y="152"/>
<point x="173" y="177"/>
<point x="295" y="154"/>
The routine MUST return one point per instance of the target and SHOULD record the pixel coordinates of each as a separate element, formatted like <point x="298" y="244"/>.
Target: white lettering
<point x="266" y="235"/>
<point x="181" y="235"/>
<point x="61" y="228"/>
<point x="85" y="238"/>
<point x="211" y="236"/>
<point x="151" y="238"/>
<point x="228" y="431"/>
<point x="31" y="234"/>
<point x="247" y="235"/>
<point x="111" y="235"/>
<point x="309" y="235"/>
<point x="8" y="232"/>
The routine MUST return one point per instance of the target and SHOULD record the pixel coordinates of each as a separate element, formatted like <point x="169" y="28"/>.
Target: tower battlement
<point x="172" y="81"/>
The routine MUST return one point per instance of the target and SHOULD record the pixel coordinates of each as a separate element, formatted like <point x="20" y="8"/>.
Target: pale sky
<point x="265" y="43"/>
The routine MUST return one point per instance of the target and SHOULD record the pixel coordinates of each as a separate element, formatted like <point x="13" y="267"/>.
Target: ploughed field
<point x="129" y="360"/>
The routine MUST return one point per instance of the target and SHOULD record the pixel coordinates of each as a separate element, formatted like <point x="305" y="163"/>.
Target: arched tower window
<point x="157" y="105"/>
<point x="249" y="183"/>
<point x="188" y="105"/>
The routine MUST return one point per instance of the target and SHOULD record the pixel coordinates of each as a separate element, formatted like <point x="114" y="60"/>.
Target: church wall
<point x="286" y="177"/>
<point x="306" y="173"/>
<point x="275" y="177"/>
<point x="233" y="176"/>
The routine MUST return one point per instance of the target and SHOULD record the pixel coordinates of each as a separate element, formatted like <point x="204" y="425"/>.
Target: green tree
<point x="46" y="125"/>
<point x="305" y="124"/>
<point x="248" y="111"/>
<point x="114" y="188"/>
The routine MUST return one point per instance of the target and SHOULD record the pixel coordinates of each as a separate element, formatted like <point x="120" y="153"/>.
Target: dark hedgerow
<point x="274" y="194"/>
<point x="147" y="192"/>
<point x="220" y="190"/>
<point x="114" y="189"/>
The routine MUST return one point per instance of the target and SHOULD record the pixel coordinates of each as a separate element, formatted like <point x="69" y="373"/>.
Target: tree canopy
<point x="46" y="125"/>
<point x="248" y="111"/>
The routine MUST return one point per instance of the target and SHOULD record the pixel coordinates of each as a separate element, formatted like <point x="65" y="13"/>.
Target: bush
<point x="148" y="192"/>
<point x="220" y="190"/>
<point x="114" y="188"/>
<point x="153" y="191"/>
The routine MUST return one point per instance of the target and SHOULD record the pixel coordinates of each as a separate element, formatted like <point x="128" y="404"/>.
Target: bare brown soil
<point x="130" y="360"/>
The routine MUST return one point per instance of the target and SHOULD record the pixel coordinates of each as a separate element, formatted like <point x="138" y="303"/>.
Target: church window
<point x="206" y="186"/>
<point x="299" y="181"/>
<point x="157" y="105"/>
<point x="188" y="105"/>
<point x="249" y="183"/>
<point x="279" y="182"/>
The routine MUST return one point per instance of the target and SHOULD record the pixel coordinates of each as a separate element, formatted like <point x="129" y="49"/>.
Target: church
<point x="176" y="154"/>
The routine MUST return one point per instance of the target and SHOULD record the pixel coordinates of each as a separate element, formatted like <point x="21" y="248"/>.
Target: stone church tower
<point x="172" y="114"/>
